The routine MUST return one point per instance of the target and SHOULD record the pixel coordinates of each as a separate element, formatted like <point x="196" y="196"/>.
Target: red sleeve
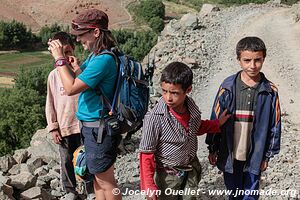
<point x="209" y="126"/>
<point x="147" y="170"/>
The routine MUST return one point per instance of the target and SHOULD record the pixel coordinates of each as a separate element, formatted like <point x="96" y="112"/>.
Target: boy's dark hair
<point x="64" y="38"/>
<point x="250" y="44"/>
<point x="177" y="73"/>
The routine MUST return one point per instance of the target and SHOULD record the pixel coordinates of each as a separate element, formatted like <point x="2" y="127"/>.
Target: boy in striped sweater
<point x="168" y="159"/>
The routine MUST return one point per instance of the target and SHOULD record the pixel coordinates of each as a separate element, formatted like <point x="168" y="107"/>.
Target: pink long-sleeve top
<point x="60" y="108"/>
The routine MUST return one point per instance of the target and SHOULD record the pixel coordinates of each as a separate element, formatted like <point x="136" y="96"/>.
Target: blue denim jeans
<point x="243" y="184"/>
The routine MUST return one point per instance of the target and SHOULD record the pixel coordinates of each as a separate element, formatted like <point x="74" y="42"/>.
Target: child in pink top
<point x="62" y="121"/>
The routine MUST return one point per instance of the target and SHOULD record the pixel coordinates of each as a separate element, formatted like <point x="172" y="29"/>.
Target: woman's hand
<point x="74" y="63"/>
<point x="56" y="49"/>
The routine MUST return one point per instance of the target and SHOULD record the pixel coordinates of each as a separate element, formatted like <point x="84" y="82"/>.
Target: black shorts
<point x="99" y="156"/>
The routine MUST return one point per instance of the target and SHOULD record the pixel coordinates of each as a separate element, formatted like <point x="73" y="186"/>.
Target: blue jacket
<point x="266" y="132"/>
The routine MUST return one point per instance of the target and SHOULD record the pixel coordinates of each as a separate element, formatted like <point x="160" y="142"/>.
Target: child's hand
<point x="264" y="165"/>
<point x="212" y="157"/>
<point x="56" y="137"/>
<point x="223" y="118"/>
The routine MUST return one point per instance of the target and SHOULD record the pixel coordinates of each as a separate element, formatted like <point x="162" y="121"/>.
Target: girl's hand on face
<point x="56" y="49"/>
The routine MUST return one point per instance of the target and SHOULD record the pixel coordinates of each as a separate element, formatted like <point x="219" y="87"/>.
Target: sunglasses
<point x="78" y="27"/>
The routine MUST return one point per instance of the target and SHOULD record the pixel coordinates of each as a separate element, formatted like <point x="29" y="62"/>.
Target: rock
<point x="23" y="180"/>
<point x="4" y="196"/>
<point x="23" y="167"/>
<point x="26" y="168"/>
<point x="54" y="184"/>
<point x="42" y="146"/>
<point x="5" y="187"/>
<point x="54" y="174"/>
<point x="52" y="163"/>
<point x="6" y="163"/>
<point x="207" y="9"/>
<point x="189" y="21"/>
<point x="56" y="193"/>
<point x="34" y="163"/>
<point x="21" y="155"/>
<point x="15" y="169"/>
<point x="47" y="178"/>
<point x="7" y="190"/>
<point x="4" y="179"/>
<point x="171" y="28"/>
<point x="36" y="193"/>
<point x="41" y="171"/>
<point x="41" y="184"/>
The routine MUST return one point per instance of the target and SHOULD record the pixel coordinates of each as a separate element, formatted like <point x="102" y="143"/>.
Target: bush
<point x="22" y="110"/>
<point x="136" y="44"/>
<point x="14" y="35"/>
<point x="146" y="10"/>
<point x="151" y="8"/>
<point x="33" y="78"/>
<point x="46" y="32"/>
<point x="21" y="114"/>
<point x="157" y="24"/>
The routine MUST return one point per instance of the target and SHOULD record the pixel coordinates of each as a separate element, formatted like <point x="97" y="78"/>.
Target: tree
<point x="151" y="8"/>
<point x="157" y="24"/>
<point x="21" y="114"/>
<point x="14" y="35"/>
<point x="46" y="32"/>
<point x="135" y="43"/>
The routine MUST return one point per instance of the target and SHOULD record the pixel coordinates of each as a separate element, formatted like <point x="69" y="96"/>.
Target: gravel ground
<point x="210" y="51"/>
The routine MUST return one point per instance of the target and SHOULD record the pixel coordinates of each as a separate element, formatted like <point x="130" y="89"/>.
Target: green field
<point x="10" y="63"/>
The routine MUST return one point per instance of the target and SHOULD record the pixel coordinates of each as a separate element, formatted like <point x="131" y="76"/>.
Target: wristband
<point x="60" y="62"/>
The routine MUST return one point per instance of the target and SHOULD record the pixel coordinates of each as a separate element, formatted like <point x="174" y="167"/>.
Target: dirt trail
<point x="281" y="35"/>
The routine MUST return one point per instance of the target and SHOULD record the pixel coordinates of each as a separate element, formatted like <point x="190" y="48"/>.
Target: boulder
<point x="23" y="181"/>
<point x="21" y="155"/>
<point x="42" y="146"/>
<point x="34" y="163"/>
<point x="189" y="21"/>
<point x="208" y="8"/>
<point x="6" y="163"/>
<point x="36" y="193"/>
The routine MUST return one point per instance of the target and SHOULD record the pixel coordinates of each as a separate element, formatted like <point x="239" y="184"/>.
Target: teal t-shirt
<point x="97" y="71"/>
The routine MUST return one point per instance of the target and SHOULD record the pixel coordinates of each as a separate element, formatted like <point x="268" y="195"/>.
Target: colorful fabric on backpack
<point x="79" y="162"/>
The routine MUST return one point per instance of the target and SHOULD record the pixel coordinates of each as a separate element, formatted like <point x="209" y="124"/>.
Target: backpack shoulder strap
<point x="112" y="54"/>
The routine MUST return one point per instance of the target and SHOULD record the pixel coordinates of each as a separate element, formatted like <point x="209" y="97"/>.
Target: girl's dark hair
<point x="64" y="38"/>
<point x="250" y="44"/>
<point x="105" y="41"/>
<point x="177" y="73"/>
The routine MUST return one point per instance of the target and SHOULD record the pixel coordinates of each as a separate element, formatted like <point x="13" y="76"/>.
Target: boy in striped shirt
<point x="168" y="160"/>
<point x="248" y="140"/>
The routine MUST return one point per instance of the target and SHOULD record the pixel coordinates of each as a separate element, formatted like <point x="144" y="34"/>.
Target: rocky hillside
<point x="206" y="42"/>
<point x="36" y="14"/>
